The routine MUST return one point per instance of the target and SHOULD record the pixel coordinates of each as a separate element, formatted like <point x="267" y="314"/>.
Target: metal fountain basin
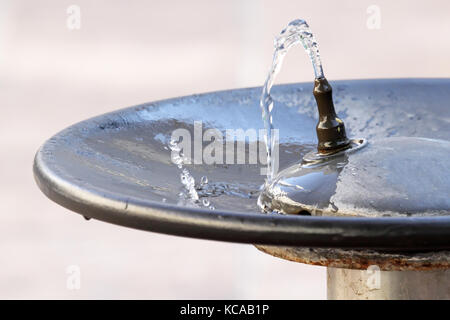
<point x="116" y="168"/>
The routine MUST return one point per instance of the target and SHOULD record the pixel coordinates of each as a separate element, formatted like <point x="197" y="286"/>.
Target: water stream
<point x="296" y="32"/>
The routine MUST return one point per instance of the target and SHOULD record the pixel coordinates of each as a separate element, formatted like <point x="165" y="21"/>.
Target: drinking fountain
<point x="369" y="200"/>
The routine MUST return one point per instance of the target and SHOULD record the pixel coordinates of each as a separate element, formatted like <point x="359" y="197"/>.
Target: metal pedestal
<point x="372" y="284"/>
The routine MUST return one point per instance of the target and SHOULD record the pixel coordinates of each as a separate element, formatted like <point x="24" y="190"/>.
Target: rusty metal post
<point x="373" y="284"/>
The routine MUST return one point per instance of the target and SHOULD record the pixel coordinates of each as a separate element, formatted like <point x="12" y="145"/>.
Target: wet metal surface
<point x="396" y="176"/>
<point x="116" y="167"/>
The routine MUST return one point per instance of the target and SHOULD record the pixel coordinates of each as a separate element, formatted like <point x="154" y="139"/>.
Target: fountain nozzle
<point x="330" y="129"/>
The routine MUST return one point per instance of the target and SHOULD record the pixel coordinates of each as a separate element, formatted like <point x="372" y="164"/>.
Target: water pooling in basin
<point x="296" y="32"/>
<point x="205" y="193"/>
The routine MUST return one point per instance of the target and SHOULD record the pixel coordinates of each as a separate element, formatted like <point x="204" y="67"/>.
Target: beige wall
<point x="128" y="52"/>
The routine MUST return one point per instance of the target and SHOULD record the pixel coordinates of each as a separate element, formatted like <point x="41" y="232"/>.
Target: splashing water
<point x="187" y="180"/>
<point x="296" y="32"/>
<point x="199" y="194"/>
<point x="190" y="196"/>
<point x="204" y="180"/>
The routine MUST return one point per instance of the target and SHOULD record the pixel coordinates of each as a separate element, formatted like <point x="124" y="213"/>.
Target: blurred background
<point x="64" y="61"/>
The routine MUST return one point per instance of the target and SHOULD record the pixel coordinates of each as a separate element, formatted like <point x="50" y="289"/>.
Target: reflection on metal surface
<point x="390" y="177"/>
